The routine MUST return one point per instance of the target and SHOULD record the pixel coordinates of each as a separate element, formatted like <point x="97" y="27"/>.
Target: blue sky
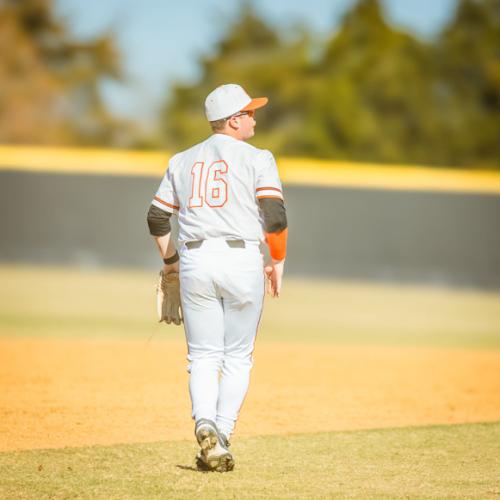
<point x="161" y="40"/>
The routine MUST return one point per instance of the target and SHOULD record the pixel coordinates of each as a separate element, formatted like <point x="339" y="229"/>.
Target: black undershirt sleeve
<point x="274" y="214"/>
<point x="158" y="221"/>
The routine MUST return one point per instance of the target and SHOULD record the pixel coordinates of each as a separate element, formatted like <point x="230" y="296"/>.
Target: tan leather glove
<point x="168" y="298"/>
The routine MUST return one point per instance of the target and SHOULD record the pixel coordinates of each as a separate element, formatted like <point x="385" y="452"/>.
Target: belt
<point x="190" y="245"/>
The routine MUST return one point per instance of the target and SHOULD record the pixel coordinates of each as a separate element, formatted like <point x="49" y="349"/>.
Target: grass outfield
<point x="426" y="462"/>
<point x="65" y="302"/>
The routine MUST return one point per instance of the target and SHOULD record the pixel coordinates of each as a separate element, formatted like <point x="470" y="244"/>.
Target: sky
<point x="161" y="41"/>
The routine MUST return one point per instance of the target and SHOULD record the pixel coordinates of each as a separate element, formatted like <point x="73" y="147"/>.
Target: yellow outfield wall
<point x="301" y="171"/>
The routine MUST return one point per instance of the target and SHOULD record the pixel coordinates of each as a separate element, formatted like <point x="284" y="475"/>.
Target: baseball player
<point x="228" y="198"/>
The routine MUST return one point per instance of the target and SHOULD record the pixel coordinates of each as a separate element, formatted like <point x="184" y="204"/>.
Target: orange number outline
<point x="217" y="173"/>
<point x="193" y="175"/>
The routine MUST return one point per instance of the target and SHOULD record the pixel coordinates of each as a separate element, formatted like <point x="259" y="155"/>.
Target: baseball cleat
<point x="206" y="434"/>
<point x="214" y="454"/>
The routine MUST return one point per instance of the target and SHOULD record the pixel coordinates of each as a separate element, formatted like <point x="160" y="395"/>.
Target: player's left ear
<point x="234" y="123"/>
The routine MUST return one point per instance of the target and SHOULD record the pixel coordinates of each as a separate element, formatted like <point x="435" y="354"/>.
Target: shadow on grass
<point x="191" y="468"/>
<point x="199" y="468"/>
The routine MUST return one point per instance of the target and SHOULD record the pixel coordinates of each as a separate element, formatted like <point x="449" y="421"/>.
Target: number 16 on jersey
<point x="208" y="184"/>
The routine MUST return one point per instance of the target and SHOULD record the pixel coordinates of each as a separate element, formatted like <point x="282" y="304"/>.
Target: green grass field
<point x="459" y="461"/>
<point x="60" y="302"/>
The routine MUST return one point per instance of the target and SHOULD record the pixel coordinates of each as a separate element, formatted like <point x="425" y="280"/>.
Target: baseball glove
<point x="168" y="298"/>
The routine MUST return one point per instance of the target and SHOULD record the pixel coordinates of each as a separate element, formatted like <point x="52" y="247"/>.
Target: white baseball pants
<point x="222" y="292"/>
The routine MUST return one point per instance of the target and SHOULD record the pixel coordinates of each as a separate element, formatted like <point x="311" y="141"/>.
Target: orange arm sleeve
<point x="277" y="244"/>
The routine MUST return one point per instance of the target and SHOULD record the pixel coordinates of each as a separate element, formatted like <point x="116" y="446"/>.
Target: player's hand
<point x="274" y="277"/>
<point x="168" y="298"/>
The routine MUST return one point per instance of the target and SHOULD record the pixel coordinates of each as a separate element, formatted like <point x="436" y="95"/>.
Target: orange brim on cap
<point x="258" y="102"/>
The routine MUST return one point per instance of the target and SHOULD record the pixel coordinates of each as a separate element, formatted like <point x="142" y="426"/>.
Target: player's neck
<point x="235" y="134"/>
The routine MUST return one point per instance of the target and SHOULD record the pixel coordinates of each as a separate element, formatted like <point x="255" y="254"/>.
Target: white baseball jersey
<point x="215" y="186"/>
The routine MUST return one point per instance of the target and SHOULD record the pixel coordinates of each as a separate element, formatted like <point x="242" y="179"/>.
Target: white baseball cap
<point x="228" y="100"/>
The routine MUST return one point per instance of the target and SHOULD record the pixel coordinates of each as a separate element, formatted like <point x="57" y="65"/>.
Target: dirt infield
<point x="56" y="393"/>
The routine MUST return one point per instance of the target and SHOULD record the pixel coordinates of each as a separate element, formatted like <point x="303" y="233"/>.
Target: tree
<point x="469" y="79"/>
<point x="375" y="98"/>
<point x="49" y="84"/>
